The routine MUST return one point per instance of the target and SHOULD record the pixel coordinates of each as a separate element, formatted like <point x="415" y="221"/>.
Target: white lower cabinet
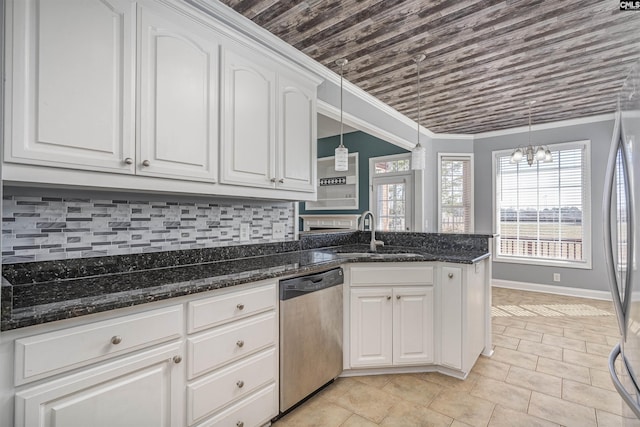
<point x="413" y="317"/>
<point x="143" y="390"/>
<point x="247" y="412"/>
<point x="232" y="362"/>
<point x="391" y="325"/>
<point x="463" y="315"/>
<point x="143" y="368"/>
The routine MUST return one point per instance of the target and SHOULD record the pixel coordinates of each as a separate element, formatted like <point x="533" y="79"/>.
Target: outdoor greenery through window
<point x="456" y="194"/>
<point x="390" y="166"/>
<point x="542" y="209"/>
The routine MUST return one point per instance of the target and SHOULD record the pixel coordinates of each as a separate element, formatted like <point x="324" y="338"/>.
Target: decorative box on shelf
<point x="330" y="222"/>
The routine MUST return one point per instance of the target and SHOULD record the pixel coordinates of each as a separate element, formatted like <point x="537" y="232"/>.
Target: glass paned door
<point x="392" y="203"/>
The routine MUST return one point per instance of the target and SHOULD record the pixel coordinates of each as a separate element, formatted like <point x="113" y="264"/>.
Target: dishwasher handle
<point x="298" y="286"/>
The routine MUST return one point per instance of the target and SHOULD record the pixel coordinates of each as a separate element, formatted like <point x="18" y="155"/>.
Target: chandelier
<point x="539" y="154"/>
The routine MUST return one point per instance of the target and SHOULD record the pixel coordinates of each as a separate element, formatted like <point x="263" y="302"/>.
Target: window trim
<point x="587" y="240"/>
<point x="462" y="156"/>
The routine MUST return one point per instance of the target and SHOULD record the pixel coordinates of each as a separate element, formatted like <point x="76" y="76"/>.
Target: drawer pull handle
<point x="450" y="275"/>
<point x="240" y="343"/>
<point x="388" y="297"/>
<point x="116" y="339"/>
<point x="239" y="424"/>
<point x="177" y="359"/>
<point x="240" y="384"/>
<point x="240" y="306"/>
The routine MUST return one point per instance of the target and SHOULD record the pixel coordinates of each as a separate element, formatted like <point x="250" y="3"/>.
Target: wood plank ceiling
<point x="485" y="59"/>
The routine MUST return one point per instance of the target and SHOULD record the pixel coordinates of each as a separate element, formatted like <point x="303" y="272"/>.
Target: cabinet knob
<point x="116" y="339"/>
<point x="177" y="359"/>
<point x="240" y="306"/>
<point x="240" y="384"/>
<point x="272" y="180"/>
<point x="450" y="275"/>
<point x="146" y="163"/>
<point x="397" y="297"/>
<point x="128" y="161"/>
<point x="388" y="297"/>
<point x="239" y="424"/>
<point x="281" y="180"/>
<point x="240" y="343"/>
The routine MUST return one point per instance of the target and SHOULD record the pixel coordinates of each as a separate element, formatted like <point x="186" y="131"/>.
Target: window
<point x="391" y="188"/>
<point x="542" y="211"/>
<point x="455" y="201"/>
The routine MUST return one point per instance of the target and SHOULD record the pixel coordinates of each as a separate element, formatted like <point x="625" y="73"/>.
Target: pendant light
<point x="418" y="152"/>
<point x="342" y="153"/>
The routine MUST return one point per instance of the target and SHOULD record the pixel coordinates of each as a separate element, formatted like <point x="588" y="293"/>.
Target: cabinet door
<point x="296" y="156"/>
<point x="371" y="327"/>
<point x="71" y="92"/>
<point x="145" y="390"/>
<point x="178" y="96"/>
<point x="413" y="325"/>
<point x="248" y="120"/>
<point x="451" y="285"/>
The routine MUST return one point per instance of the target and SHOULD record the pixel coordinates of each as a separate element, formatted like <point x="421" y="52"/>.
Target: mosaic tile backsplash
<point x="52" y="228"/>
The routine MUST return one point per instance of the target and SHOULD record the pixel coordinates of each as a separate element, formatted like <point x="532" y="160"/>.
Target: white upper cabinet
<point x="178" y="97"/>
<point x="72" y="94"/>
<point x="296" y="136"/>
<point x="153" y="89"/>
<point x="269" y="125"/>
<point x="248" y="119"/>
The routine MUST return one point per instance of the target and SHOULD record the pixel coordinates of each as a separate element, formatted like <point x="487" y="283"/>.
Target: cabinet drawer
<point x="227" y="343"/>
<point x="209" y="394"/>
<point x="255" y="410"/>
<point x="372" y="275"/>
<point x="220" y="309"/>
<point x="43" y="355"/>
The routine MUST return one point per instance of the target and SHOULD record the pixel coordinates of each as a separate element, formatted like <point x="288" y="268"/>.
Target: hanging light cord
<point x="530" y="102"/>
<point x="418" y="59"/>
<point x="342" y="64"/>
<point x="418" y="69"/>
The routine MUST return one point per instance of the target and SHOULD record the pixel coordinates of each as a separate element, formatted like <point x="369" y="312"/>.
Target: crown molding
<point x="544" y="126"/>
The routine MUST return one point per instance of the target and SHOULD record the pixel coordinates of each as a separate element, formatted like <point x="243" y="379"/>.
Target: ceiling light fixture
<point x="418" y="152"/>
<point x="342" y="153"/>
<point x="540" y="154"/>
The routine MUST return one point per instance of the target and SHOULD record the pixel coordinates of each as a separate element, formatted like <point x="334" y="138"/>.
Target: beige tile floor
<point x="549" y="368"/>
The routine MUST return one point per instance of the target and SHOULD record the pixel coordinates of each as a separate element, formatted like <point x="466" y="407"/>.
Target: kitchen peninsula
<point x="130" y="316"/>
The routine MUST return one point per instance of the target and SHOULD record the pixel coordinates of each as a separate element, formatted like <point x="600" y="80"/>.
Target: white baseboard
<point x="551" y="289"/>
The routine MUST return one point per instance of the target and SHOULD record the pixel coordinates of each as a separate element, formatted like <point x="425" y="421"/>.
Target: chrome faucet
<point x="372" y="226"/>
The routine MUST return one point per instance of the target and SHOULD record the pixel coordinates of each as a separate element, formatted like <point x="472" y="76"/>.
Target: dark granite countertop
<point x="36" y="293"/>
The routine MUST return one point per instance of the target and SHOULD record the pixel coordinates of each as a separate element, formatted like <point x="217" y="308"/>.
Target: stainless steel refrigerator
<point x="621" y="209"/>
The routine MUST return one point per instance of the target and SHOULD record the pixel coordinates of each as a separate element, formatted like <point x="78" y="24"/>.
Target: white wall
<point x="599" y="133"/>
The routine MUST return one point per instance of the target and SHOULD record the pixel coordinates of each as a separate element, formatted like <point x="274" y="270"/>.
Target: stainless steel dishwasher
<point x="310" y="334"/>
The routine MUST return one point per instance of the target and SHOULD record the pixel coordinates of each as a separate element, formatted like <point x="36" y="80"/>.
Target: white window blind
<point x="542" y="210"/>
<point x="456" y="194"/>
